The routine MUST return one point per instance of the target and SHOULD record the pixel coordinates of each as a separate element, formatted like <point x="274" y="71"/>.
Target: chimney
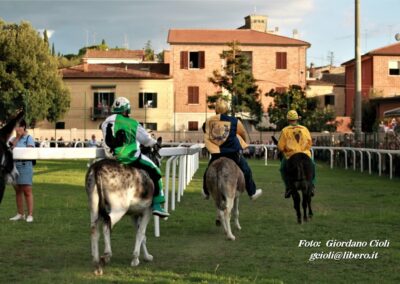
<point x="295" y="34"/>
<point x="256" y="23"/>
<point x="312" y="70"/>
<point x="85" y="65"/>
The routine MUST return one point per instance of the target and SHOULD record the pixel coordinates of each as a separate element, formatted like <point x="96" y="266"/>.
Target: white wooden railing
<point x="352" y="151"/>
<point x="185" y="158"/>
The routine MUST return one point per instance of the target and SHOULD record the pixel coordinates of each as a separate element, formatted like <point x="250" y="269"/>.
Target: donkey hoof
<point x="148" y="258"/>
<point x="135" y="262"/>
<point x="299" y="221"/>
<point x="305" y="219"/>
<point x="238" y="227"/>
<point x="218" y="223"/>
<point x="98" y="271"/>
<point x="231" y="238"/>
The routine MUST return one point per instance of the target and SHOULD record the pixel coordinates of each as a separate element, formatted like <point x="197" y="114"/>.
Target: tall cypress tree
<point x="45" y="37"/>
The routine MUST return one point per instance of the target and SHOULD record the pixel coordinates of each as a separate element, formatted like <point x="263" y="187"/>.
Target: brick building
<point x="276" y="61"/>
<point x="380" y="79"/>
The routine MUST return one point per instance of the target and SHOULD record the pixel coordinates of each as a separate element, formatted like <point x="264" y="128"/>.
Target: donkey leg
<point x="106" y="257"/>
<point x="94" y="227"/>
<point x="236" y="212"/>
<point x="218" y="219"/>
<point x="304" y="204"/>
<point x="296" y="203"/>
<point x="95" y="235"/>
<point x="146" y="255"/>
<point x="227" y="219"/>
<point x="140" y="235"/>
<point x="310" y="212"/>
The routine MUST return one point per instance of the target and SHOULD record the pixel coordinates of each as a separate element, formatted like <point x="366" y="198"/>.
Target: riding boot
<point x="158" y="200"/>
<point x="159" y="211"/>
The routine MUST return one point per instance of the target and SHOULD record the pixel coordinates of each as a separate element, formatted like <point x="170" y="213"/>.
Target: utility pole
<point x="331" y="57"/>
<point x="357" y="77"/>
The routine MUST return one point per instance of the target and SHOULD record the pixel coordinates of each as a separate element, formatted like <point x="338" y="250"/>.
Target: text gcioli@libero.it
<point x="345" y="253"/>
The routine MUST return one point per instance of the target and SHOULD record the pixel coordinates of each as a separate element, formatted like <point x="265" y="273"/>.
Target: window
<point x="193" y="125"/>
<point x="249" y="56"/>
<point x="394" y="68"/>
<point x="102" y="102"/>
<point x="147" y="99"/>
<point x="60" y="125"/>
<point x="151" y="126"/>
<point x="330" y="100"/>
<point x="281" y="60"/>
<point x="192" y="59"/>
<point x="193" y="95"/>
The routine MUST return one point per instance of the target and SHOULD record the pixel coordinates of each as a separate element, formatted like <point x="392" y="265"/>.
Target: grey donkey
<point x="225" y="182"/>
<point x="114" y="190"/>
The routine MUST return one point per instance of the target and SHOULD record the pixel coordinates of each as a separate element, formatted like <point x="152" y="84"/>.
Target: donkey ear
<point x="6" y="131"/>
<point x="159" y="141"/>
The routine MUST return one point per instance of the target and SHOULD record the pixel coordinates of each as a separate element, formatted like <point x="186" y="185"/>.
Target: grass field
<point x="348" y="206"/>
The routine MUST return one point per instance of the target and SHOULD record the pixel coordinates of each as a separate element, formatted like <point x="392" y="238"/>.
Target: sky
<point x="328" y="25"/>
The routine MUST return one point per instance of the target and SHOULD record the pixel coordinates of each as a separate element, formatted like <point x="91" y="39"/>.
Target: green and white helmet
<point x="121" y="105"/>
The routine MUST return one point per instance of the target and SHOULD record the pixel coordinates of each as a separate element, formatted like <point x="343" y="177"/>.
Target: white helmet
<point x="121" y="105"/>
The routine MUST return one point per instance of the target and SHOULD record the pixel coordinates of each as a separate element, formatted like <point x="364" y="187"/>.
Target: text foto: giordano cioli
<point x="344" y="244"/>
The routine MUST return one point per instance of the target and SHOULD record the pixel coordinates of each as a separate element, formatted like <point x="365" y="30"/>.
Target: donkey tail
<point x="102" y="202"/>
<point x="220" y="199"/>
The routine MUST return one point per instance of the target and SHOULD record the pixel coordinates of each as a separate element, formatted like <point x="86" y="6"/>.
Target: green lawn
<point x="348" y="205"/>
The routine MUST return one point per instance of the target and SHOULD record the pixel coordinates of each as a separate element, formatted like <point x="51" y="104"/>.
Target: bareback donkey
<point x="225" y="181"/>
<point x="114" y="190"/>
<point x="8" y="172"/>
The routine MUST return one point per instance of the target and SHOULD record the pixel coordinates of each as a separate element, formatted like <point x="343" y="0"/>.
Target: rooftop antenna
<point x="87" y="37"/>
<point x="126" y="42"/>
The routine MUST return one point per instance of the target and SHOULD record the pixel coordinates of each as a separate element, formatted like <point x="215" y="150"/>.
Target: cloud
<point x="49" y="32"/>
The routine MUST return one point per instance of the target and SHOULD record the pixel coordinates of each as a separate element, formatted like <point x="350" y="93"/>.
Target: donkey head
<point x="153" y="152"/>
<point x="8" y="173"/>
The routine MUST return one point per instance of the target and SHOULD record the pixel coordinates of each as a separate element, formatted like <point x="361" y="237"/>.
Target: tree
<point x="102" y="46"/>
<point x="237" y="79"/>
<point x="160" y="57"/>
<point x="148" y="52"/>
<point x="45" y="38"/>
<point x="53" y="50"/>
<point x="29" y="78"/>
<point x="314" y="118"/>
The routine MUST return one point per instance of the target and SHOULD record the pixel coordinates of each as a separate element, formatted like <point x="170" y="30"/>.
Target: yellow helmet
<point x="292" y="115"/>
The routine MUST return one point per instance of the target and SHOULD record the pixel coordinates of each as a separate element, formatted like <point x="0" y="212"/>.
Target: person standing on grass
<point x="23" y="186"/>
